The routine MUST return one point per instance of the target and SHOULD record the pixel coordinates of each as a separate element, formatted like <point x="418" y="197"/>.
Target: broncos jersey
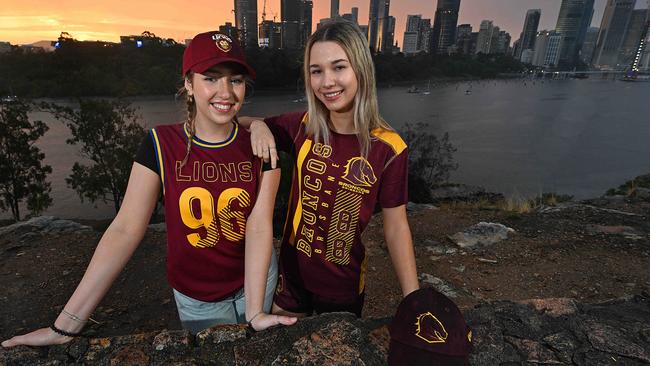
<point x="333" y="195"/>
<point x="207" y="202"/>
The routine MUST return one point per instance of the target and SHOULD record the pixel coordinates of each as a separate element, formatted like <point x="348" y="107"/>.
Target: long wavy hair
<point x="366" y="110"/>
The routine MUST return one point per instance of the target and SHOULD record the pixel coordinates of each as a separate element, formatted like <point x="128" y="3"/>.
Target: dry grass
<point x="630" y="189"/>
<point x="514" y="203"/>
<point x="481" y="204"/>
<point x="517" y="203"/>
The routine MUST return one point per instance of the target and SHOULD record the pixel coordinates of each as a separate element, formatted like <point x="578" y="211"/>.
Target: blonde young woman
<point x="218" y="208"/>
<point x="347" y="160"/>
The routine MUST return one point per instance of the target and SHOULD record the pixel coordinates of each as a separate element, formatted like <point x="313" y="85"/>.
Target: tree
<point x="22" y="174"/>
<point x="431" y="160"/>
<point x="109" y="134"/>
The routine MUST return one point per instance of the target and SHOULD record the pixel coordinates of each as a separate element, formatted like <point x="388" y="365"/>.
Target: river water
<point x="578" y="137"/>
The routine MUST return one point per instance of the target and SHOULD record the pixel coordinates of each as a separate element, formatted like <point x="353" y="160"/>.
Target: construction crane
<point x="264" y="11"/>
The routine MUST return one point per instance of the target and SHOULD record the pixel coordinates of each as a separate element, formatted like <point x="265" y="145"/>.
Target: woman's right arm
<point x="262" y="140"/>
<point x="113" y="252"/>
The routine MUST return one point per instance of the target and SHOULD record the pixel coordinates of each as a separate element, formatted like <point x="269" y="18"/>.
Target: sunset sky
<point x="28" y="21"/>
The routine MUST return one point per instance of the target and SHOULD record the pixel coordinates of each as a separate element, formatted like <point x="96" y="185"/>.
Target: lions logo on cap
<point x="223" y="42"/>
<point x="430" y="329"/>
<point x="358" y="171"/>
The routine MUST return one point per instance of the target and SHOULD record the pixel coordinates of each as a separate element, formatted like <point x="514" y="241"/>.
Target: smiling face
<point x="218" y="94"/>
<point x="332" y="78"/>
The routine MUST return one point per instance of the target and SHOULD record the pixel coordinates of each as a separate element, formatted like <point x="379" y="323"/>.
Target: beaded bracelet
<point x="250" y="323"/>
<point x="63" y="332"/>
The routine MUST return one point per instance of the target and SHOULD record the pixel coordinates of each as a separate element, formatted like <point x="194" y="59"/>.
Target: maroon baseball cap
<point x="213" y="48"/>
<point x="429" y="329"/>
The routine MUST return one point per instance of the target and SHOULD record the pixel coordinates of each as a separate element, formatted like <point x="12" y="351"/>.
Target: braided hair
<point x="191" y="116"/>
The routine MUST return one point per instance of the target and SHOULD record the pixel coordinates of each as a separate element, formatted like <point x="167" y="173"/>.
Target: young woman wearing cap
<point x="218" y="208"/>
<point x="347" y="160"/>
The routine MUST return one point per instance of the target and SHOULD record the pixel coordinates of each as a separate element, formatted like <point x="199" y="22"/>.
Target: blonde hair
<point x="366" y="110"/>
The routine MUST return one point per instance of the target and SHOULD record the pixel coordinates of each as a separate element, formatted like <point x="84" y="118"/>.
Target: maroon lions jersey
<point x="207" y="202"/>
<point x="334" y="192"/>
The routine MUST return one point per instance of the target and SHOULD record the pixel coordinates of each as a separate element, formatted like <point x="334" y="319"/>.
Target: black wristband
<point x="63" y="332"/>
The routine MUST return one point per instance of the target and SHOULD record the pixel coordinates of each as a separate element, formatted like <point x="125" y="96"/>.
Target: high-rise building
<point x="417" y="35"/>
<point x="365" y="30"/>
<point x="334" y="8"/>
<point x="444" y="26"/>
<point x="515" y="47"/>
<point x="613" y="29"/>
<point x="642" y="57"/>
<point x="529" y="33"/>
<point x="633" y="36"/>
<point x="527" y="56"/>
<point x="464" y="39"/>
<point x="269" y="34"/>
<point x="424" y="35"/>
<point x="410" y="43"/>
<point x="230" y="30"/>
<point x="411" y="39"/>
<point x="589" y="45"/>
<point x="246" y="22"/>
<point x="572" y="23"/>
<point x="486" y="35"/>
<point x="413" y="23"/>
<point x="305" y="20"/>
<point x="502" y="42"/>
<point x="352" y="16"/>
<point x="463" y="30"/>
<point x="548" y="45"/>
<point x="378" y="24"/>
<point x="322" y="22"/>
<point x="389" y="40"/>
<point x="296" y="21"/>
<point x="290" y="14"/>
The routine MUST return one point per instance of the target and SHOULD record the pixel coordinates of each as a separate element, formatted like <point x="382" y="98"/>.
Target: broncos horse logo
<point x="430" y="329"/>
<point x="358" y="171"/>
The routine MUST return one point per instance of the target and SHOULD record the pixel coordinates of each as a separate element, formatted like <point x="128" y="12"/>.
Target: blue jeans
<point x="196" y="315"/>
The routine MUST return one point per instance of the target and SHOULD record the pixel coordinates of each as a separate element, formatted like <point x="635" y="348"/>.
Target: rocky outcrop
<point x="534" y="332"/>
<point x="481" y="234"/>
<point x="44" y="225"/>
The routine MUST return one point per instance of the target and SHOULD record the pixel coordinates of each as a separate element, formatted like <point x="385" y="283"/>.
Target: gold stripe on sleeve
<point x="391" y="138"/>
<point x="161" y="166"/>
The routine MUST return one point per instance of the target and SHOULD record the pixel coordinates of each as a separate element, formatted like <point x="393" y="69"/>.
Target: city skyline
<point x="24" y="23"/>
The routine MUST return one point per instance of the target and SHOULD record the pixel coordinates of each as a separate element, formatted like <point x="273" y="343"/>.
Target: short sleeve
<point x="285" y="128"/>
<point x="146" y="154"/>
<point x="393" y="188"/>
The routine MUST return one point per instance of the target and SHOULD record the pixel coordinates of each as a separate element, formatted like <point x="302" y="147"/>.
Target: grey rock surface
<point x="481" y="234"/>
<point x="44" y="225"/>
<point x="533" y="332"/>
<point x="417" y="207"/>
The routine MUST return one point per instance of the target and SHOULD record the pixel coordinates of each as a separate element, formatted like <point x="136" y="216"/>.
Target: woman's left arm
<point x="400" y="246"/>
<point x="259" y="247"/>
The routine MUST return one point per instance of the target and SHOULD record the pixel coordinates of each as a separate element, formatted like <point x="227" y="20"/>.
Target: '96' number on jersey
<point x="227" y="218"/>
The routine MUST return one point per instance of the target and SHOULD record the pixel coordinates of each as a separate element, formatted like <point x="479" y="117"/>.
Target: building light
<point x="138" y="43"/>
